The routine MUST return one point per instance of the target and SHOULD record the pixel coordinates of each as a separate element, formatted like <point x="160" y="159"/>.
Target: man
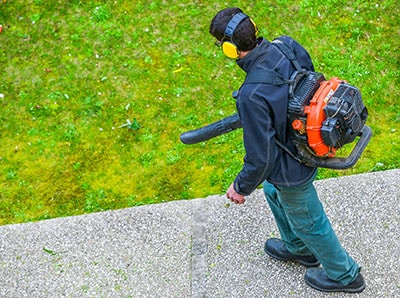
<point x="307" y="235"/>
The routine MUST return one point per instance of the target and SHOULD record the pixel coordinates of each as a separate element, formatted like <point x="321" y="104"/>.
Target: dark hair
<point x="244" y="36"/>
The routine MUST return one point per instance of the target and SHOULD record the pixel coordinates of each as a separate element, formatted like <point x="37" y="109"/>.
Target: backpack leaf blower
<point x="323" y="115"/>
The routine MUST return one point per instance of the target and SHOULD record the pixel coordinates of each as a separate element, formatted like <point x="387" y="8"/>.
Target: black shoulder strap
<point x="288" y="52"/>
<point x="265" y="76"/>
<point x="269" y="76"/>
<point x="286" y="149"/>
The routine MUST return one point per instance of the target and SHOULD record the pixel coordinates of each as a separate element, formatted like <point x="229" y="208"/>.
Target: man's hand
<point x="232" y="195"/>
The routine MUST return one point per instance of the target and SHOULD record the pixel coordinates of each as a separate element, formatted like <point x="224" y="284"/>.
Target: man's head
<point x="235" y="31"/>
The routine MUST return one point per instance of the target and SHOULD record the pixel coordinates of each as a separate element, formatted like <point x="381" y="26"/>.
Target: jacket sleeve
<point x="259" y="138"/>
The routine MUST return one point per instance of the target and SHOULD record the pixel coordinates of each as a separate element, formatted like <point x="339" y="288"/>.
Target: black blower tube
<point x="212" y="130"/>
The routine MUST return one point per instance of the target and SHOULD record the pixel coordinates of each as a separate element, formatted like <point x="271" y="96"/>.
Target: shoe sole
<point x="355" y="290"/>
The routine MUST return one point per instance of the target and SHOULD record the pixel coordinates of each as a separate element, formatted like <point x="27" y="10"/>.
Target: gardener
<point x="306" y="233"/>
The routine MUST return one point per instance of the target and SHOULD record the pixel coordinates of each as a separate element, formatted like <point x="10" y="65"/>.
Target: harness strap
<point x="288" y="52"/>
<point x="270" y="76"/>
<point x="265" y="76"/>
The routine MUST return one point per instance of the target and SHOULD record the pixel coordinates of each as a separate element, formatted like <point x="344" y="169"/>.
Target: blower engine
<point x="325" y="115"/>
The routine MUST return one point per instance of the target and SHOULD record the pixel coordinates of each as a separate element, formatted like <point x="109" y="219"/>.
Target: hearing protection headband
<point x="228" y="47"/>
<point x="233" y="23"/>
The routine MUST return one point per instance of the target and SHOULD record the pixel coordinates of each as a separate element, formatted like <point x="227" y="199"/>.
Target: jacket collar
<point x="252" y="59"/>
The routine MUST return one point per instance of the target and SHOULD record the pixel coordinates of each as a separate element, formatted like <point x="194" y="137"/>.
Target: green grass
<point x="73" y="73"/>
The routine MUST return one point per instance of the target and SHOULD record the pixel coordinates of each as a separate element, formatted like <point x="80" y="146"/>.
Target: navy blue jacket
<point x="262" y="109"/>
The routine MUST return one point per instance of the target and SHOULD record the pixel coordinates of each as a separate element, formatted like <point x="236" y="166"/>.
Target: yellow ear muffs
<point x="230" y="50"/>
<point x="255" y="26"/>
<point x="228" y="46"/>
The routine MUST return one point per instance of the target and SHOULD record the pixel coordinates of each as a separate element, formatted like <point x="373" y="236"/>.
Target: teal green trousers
<point x="306" y="230"/>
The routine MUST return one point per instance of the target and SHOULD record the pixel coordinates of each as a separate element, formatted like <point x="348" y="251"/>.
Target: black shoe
<point x="317" y="278"/>
<point x="277" y="249"/>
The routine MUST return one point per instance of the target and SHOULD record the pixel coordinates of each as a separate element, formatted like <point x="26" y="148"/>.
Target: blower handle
<point x="339" y="163"/>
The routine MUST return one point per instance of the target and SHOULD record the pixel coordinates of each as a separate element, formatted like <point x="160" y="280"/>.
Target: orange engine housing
<point x="316" y="116"/>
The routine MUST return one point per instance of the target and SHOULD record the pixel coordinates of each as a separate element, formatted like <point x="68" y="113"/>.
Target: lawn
<point x="94" y="96"/>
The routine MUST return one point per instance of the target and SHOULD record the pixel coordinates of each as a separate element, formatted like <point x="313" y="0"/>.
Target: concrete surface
<point x="199" y="248"/>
